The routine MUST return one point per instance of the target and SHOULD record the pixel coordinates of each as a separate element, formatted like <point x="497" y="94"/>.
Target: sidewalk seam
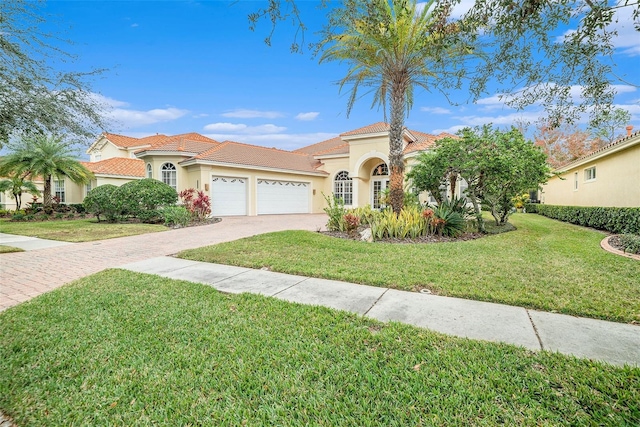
<point x="535" y="329"/>
<point x="289" y="287"/>
<point x="375" y="302"/>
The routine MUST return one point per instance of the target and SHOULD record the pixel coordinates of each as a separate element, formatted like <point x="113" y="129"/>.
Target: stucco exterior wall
<point x="617" y="182"/>
<point x="106" y="152"/>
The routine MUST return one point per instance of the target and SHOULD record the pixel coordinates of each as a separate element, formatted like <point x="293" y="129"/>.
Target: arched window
<point x="149" y="171"/>
<point x="169" y="175"/>
<point x="381" y="170"/>
<point x="343" y="187"/>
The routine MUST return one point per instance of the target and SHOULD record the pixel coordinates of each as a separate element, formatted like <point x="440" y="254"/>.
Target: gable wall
<point x="617" y="183"/>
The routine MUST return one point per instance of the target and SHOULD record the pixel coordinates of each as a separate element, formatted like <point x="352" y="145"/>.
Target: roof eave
<point x="190" y="162"/>
<point x="622" y="145"/>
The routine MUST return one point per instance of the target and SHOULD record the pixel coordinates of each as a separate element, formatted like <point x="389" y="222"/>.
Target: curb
<point x="604" y="244"/>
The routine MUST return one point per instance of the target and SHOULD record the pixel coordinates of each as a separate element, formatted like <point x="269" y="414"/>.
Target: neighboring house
<point x="243" y="179"/>
<point x="609" y="176"/>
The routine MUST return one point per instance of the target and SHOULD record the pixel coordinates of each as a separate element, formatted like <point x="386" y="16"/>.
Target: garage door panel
<point x="282" y="197"/>
<point x="228" y="196"/>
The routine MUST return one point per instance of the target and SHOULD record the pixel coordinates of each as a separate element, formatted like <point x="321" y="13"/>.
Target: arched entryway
<point x="379" y="183"/>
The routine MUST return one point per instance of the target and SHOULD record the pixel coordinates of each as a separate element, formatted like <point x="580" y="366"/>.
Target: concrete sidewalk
<point x="29" y="243"/>
<point x="611" y="342"/>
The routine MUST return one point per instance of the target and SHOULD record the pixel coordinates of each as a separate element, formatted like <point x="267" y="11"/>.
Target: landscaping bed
<point x="122" y="348"/>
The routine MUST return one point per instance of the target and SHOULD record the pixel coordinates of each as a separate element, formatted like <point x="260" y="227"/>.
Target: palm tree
<point x="46" y="157"/>
<point x="17" y="185"/>
<point x="391" y="46"/>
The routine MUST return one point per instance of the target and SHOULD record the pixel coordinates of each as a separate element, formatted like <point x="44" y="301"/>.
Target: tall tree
<point x="35" y="96"/>
<point x="565" y="143"/>
<point x="17" y="185"/>
<point x="610" y="124"/>
<point x="536" y="52"/>
<point x="390" y="47"/>
<point x="47" y="157"/>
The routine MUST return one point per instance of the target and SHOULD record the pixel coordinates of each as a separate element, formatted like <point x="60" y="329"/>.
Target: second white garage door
<point x="282" y="197"/>
<point x="228" y="196"/>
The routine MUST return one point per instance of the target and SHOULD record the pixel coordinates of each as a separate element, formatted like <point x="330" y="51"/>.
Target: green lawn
<point x="544" y="264"/>
<point x="78" y="230"/>
<point x="4" y="249"/>
<point x="121" y="348"/>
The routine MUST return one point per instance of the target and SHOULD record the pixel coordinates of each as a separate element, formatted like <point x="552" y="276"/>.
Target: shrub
<point x="351" y="222"/>
<point x="364" y="213"/>
<point x="409" y="223"/>
<point x="18" y="216"/>
<point x="336" y="212"/>
<point x="144" y="198"/>
<point x="631" y="243"/>
<point x="447" y="222"/>
<point x="77" y="208"/>
<point x="614" y="220"/>
<point x="99" y="202"/>
<point x="176" y="216"/>
<point x="197" y="203"/>
<point x="4" y="213"/>
<point x="29" y="217"/>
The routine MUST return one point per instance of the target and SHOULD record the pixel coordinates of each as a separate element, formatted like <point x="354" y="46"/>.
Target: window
<point x="463" y="189"/>
<point x="149" y="171"/>
<point x="97" y="156"/>
<point x="58" y="187"/>
<point x="169" y="175"/>
<point x="575" y="181"/>
<point x="381" y="170"/>
<point x="343" y="187"/>
<point x="590" y="174"/>
<point x="88" y="187"/>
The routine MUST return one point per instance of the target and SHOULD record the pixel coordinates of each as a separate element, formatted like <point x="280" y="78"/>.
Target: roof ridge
<point x="265" y="148"/>
<point x="211" y="150"/>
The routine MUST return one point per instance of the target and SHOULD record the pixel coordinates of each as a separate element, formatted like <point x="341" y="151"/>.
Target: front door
<point x="378" y="185"/>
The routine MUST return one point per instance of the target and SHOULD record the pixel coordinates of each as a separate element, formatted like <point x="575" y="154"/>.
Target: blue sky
<point x="176" y="67"/>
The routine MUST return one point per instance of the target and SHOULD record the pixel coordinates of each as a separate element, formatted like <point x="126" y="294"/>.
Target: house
<point x="244" y="179"/>
<point x="606" y="177"/>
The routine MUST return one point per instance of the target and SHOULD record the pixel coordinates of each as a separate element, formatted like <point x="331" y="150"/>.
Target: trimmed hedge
<point x="614" y="220"/>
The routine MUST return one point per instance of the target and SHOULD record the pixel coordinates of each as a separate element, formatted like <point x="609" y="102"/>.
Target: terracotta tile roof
<point x="424" y="141"/>
<point x="187" y="142"/>
<point x="374" y="128"/>
<point x="119" y="166"/>
<point x="322" y="146"/>
<point x="339" y="149"/>
<point x="253" y="155"/>
<point x="122" y="141"/>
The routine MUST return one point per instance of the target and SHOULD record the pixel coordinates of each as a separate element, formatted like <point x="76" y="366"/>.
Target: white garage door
<point x="228" y="196"/>
<point x="282" y="197"/>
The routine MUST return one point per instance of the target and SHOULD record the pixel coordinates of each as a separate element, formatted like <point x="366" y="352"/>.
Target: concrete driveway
<point x="24" y="275"/>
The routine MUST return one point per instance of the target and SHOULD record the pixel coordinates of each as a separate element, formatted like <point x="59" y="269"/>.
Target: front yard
<point x="121" y="348"/>
<point x="77" y="230"/>
<point x="544" y="264"/>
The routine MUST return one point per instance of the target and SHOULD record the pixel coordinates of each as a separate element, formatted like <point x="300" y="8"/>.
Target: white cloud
<point x="134" y="25"/>
<point x="201" y="115"/>
<point x="241" y="129"/>
<point x="136" y="118"/>
<point x="436" y="110"/>
<point x="452" y="130"/>
<point x="225" y="127"/>
<point x="312" y="115"/>
<point x="252" y="114"/>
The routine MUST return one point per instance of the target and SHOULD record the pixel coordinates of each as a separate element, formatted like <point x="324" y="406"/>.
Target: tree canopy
<point x="36" y="97"/>
<point x="554" y="53"/>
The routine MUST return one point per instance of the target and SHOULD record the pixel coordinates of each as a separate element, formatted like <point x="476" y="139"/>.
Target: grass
<point x="121" y="348"/>
<point x="4" y="249"/>
<point x="544" y="264"/>
<point x="78" y="230"/>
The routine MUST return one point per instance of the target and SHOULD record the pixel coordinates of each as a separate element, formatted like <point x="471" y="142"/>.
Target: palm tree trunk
<point x="396" y="161"/>
<point x="46" y="194"/>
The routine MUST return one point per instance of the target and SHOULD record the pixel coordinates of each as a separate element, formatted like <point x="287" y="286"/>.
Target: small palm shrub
<point x="447" y="222"/>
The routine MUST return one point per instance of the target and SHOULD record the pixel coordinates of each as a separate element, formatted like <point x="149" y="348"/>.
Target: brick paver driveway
<point x="24" y="275"/>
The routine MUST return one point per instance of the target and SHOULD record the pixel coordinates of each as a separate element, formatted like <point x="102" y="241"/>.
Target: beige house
<point x="609" y="176"/>
<point x="243" y="179"/>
